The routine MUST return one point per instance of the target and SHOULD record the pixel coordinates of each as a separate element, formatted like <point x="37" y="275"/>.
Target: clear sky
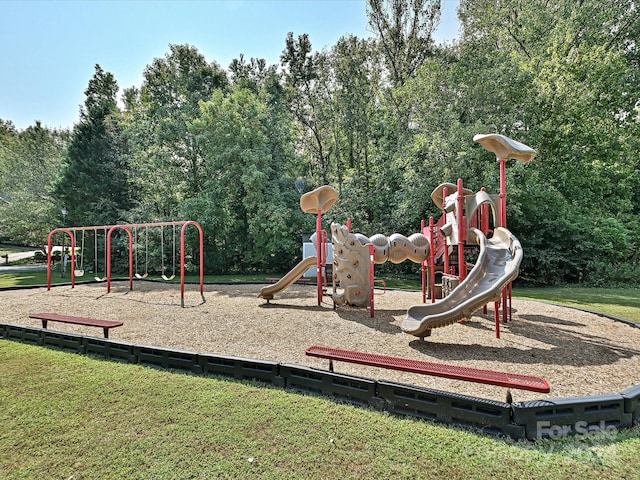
<point x="49" y="48"/>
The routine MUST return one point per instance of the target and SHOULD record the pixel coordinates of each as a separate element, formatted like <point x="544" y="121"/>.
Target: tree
<point x="29" y="163"/>
<point x="405" y="34"/>
<point x="307" y="88"/>
<point x="166" y="158"/>
<point x="404" y="30"/>
<point x="563" y="78"/>
<point x="246" y="197"/>
<point x="94" y="182"/>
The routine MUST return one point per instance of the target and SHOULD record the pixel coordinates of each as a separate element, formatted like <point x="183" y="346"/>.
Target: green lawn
<point x="619" y="302"/>
<point x="23" y="279"/>
<point x="73" y="416"/>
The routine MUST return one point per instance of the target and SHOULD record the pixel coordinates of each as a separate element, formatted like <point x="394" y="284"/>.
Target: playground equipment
<point x="79" y="269"/>
<point x="173" y="254"/>
<point x="95" y="254"/>
<point x="496" y="266"/>
<point x="110" y="229"/>
<point x="355" y="256"/>
<point x="465" y="222"/>
<point x="146" y="253"/>
<point x="317" y="202"/>
<point x="499" y="259"/>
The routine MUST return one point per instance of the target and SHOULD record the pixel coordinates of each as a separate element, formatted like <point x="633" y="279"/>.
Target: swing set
<point x="78" y="269"/>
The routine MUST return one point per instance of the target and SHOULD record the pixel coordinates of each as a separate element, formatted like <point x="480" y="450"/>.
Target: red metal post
<point x="445" y="194"/>
<point x="462" y="264"/>
<point x="432" y="259"/>
<point x="182" y="249"/>
<point x="503" y="223"/>
<point x="372" y="249"/>
<point x="423" y="269"/>
<point x="73" y="255"/>
<point x="319" y="251"/>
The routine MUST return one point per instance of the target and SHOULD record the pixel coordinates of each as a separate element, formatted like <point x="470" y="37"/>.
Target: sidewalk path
<point x="21" y="268"/>
<point x="14" y="257"/>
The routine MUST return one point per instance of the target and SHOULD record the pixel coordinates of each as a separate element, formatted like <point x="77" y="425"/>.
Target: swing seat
<point x="98" y="279"/>
<point x="164" y="277"/>
<point x="145" y="275"/>
<point x="78" y="273"/>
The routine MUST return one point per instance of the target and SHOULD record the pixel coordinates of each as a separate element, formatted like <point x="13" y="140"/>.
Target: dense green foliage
<point x="384" y="120"/>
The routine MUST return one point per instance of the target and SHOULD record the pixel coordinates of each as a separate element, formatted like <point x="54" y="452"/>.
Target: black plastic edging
<point x="488" y="416"/>
<point x="530" y="420"/>
<point x="569" y="416"/>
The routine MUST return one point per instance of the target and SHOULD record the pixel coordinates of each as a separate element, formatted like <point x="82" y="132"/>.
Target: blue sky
<point x="49" y="48"/>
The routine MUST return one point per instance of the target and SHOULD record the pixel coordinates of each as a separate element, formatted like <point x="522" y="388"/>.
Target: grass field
<point x="619" y="302"/>
<point x="72" y="416"/>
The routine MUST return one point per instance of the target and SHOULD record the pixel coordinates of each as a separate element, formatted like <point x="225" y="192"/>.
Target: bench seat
<point x="490" y="377"/>
<point x="91" y="322"/>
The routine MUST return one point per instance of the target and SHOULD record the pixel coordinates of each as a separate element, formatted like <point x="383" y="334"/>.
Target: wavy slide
<point x="498" y="264"/>
<point x="289" y="279"/>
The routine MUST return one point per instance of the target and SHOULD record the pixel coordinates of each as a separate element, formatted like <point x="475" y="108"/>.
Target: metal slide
<point x="290" y="278"/>
<point x="497" y="265"/>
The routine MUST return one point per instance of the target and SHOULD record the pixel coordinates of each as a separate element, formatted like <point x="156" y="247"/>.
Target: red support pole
<point x="432" y="259"/>
<point x="372" y="249"/>
<point x="319" y="251"/>
<point x="503" y="223"/>
<point x="73" y="255"/>
<point x="182" y="249"/>
<point x="462" y="264"/>
<point x="445" y="194"/>
<point x="423" y="269"/>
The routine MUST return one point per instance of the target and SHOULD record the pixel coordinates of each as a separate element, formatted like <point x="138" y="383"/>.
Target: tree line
<point x="384" y="120"/>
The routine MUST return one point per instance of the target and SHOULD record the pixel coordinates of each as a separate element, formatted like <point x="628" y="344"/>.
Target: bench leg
<point x="44" y="324"/>
<point x="106" y="332"/>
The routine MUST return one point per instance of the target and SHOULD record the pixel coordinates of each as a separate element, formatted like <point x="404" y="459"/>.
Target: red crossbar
<point x="490" y="377"/>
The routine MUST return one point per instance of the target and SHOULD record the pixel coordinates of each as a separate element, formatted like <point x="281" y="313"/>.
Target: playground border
<point x="530" y="420"/>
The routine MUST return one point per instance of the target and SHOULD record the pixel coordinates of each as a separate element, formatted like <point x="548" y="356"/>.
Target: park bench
<point x="490" y="377"/>
<point x="91" y="322"/>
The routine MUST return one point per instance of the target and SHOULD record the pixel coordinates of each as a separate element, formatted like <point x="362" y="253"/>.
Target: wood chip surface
<point x="578" y="353"/>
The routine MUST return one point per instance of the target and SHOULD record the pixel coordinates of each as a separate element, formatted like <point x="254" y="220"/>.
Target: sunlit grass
<point x="72" y="416"/>
<point x="619" y="302"/>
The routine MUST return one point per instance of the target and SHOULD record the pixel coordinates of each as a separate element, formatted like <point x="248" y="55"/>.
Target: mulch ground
<point x="578" y="353"/>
